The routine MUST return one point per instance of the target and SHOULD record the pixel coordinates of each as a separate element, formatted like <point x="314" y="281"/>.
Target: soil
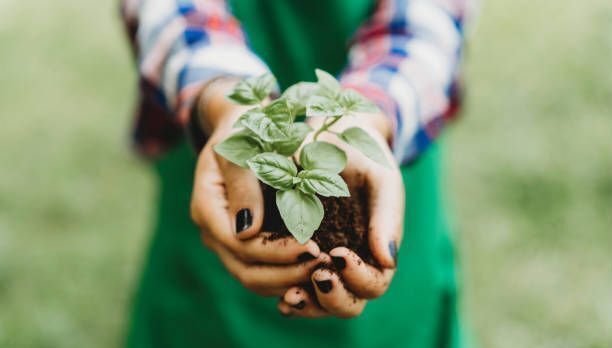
<point x="345" y="222"/>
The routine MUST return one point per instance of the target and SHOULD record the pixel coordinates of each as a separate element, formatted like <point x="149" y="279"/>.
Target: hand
<point x="361" y="281"/>
<point x="227" y="205"/>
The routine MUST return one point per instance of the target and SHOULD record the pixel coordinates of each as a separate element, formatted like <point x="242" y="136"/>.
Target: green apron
<point x="187" y="299"/>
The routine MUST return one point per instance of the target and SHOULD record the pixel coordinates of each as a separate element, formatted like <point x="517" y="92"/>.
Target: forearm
<point x="212" y="108"/>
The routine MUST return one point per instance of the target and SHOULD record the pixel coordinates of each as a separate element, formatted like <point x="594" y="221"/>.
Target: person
<point x="405" y="56"/>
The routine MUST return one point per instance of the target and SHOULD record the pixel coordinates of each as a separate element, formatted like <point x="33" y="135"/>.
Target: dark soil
<point x="345" y="222"/>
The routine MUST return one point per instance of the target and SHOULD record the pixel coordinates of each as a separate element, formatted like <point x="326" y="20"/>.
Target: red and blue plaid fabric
<point x="406" y="58"/>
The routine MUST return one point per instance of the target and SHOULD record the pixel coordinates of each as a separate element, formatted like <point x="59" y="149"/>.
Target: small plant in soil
<point x="268" y="137"/>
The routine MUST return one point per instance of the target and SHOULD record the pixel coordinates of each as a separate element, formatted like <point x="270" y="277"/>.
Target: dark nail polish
<point x="393" y="250"/>
<point x="244" y="220"/>
<point x="299" y="305"/>
<point x="305" y="257"/>
<point x="324" y="286"/>
<point x="339" y="262"/>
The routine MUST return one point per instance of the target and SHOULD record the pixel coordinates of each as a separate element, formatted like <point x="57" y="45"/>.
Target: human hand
<point x="227" y="205"/>
<point x="361" y="281"/>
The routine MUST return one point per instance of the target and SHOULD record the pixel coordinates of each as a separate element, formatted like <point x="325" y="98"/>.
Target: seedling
<point x="269" y="137"/>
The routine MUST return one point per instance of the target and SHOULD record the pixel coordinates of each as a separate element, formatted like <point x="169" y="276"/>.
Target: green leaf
<point x="239" y="147"/>
<point x="323" y="182"/>
<point x="362" y="141"/>
<point x="298" y="95"/>
<point x="323" y="155"/>
<point x="324" y="107"/>
<point x="278" y="111"/>
<point x="329" y="85"/>
<point x="297" y="134"/>
<point x="264" y="84"/>
<point x="355" y="102"/>
<point x="269" y="128"/>
<point x="273" y="169"/>
<point x="253" y="90"/>
<point x="301" y="212"/>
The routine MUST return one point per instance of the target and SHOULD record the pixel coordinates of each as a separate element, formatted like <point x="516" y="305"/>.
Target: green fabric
<point x="187" y="299"/>
<point x="296" y="36"/>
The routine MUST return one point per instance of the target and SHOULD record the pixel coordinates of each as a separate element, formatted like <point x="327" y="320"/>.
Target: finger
<point x="244" y="198"/>
<point x="208" y="200"/>
<point x="279" y="251"/>
<point x="386" y="208"/>
<point x="268" y="280"/>
<point x="284" y="309"/>
<point x="333" y="296"/>
<point x="298" y="302"/>
<point x="364" y="280"/>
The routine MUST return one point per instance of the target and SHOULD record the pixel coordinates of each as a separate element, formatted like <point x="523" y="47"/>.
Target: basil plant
<point x="269" y="136"/>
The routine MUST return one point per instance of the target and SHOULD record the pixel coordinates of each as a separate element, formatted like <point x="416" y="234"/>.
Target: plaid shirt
<point x="406" y="58"/>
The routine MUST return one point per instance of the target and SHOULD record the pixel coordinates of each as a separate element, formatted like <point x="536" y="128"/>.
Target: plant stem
<point x="326" y="126"/>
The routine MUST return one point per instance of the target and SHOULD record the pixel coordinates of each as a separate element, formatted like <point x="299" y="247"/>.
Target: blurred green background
<point x="529" y="172"/>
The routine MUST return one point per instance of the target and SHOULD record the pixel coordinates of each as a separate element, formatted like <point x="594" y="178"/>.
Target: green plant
<point x="269" y="136"/>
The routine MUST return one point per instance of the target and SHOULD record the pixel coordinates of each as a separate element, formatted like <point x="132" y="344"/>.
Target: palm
<point x="357" y="281"/>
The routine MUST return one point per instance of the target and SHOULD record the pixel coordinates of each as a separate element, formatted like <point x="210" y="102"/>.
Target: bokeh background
<point x="529" y="172"/>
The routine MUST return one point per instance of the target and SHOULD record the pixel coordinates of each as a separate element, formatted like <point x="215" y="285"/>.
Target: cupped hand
<point x="227" y="205"/>
<point x="344" y="292"/>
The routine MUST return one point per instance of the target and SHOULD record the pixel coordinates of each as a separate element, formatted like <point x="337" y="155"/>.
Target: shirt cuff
<point x="192" y="72"/>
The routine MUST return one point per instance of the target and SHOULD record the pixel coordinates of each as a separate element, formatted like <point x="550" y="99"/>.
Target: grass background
<point x="530" y="175"/>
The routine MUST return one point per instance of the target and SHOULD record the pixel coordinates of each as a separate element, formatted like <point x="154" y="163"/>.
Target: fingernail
<point x="305" y="256"/>
<point x="244" y="220"/>
<point x="339" y="262"/>
<point x="324" y="286"/>
<point x="393" y="251"/>
<point x="299" y="305"/>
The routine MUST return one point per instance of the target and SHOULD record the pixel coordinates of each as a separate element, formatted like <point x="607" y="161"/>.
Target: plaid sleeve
<point x="182" y="44"/>
<point x="406" y="58"/>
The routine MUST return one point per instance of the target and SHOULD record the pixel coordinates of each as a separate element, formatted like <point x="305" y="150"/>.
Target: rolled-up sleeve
<point x="181" y="45"/>
<point x="406" y="58"/>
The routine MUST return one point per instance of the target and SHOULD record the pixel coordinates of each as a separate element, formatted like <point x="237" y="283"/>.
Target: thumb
<point x="386" y="207"/>
<point x="244" y="199"/>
